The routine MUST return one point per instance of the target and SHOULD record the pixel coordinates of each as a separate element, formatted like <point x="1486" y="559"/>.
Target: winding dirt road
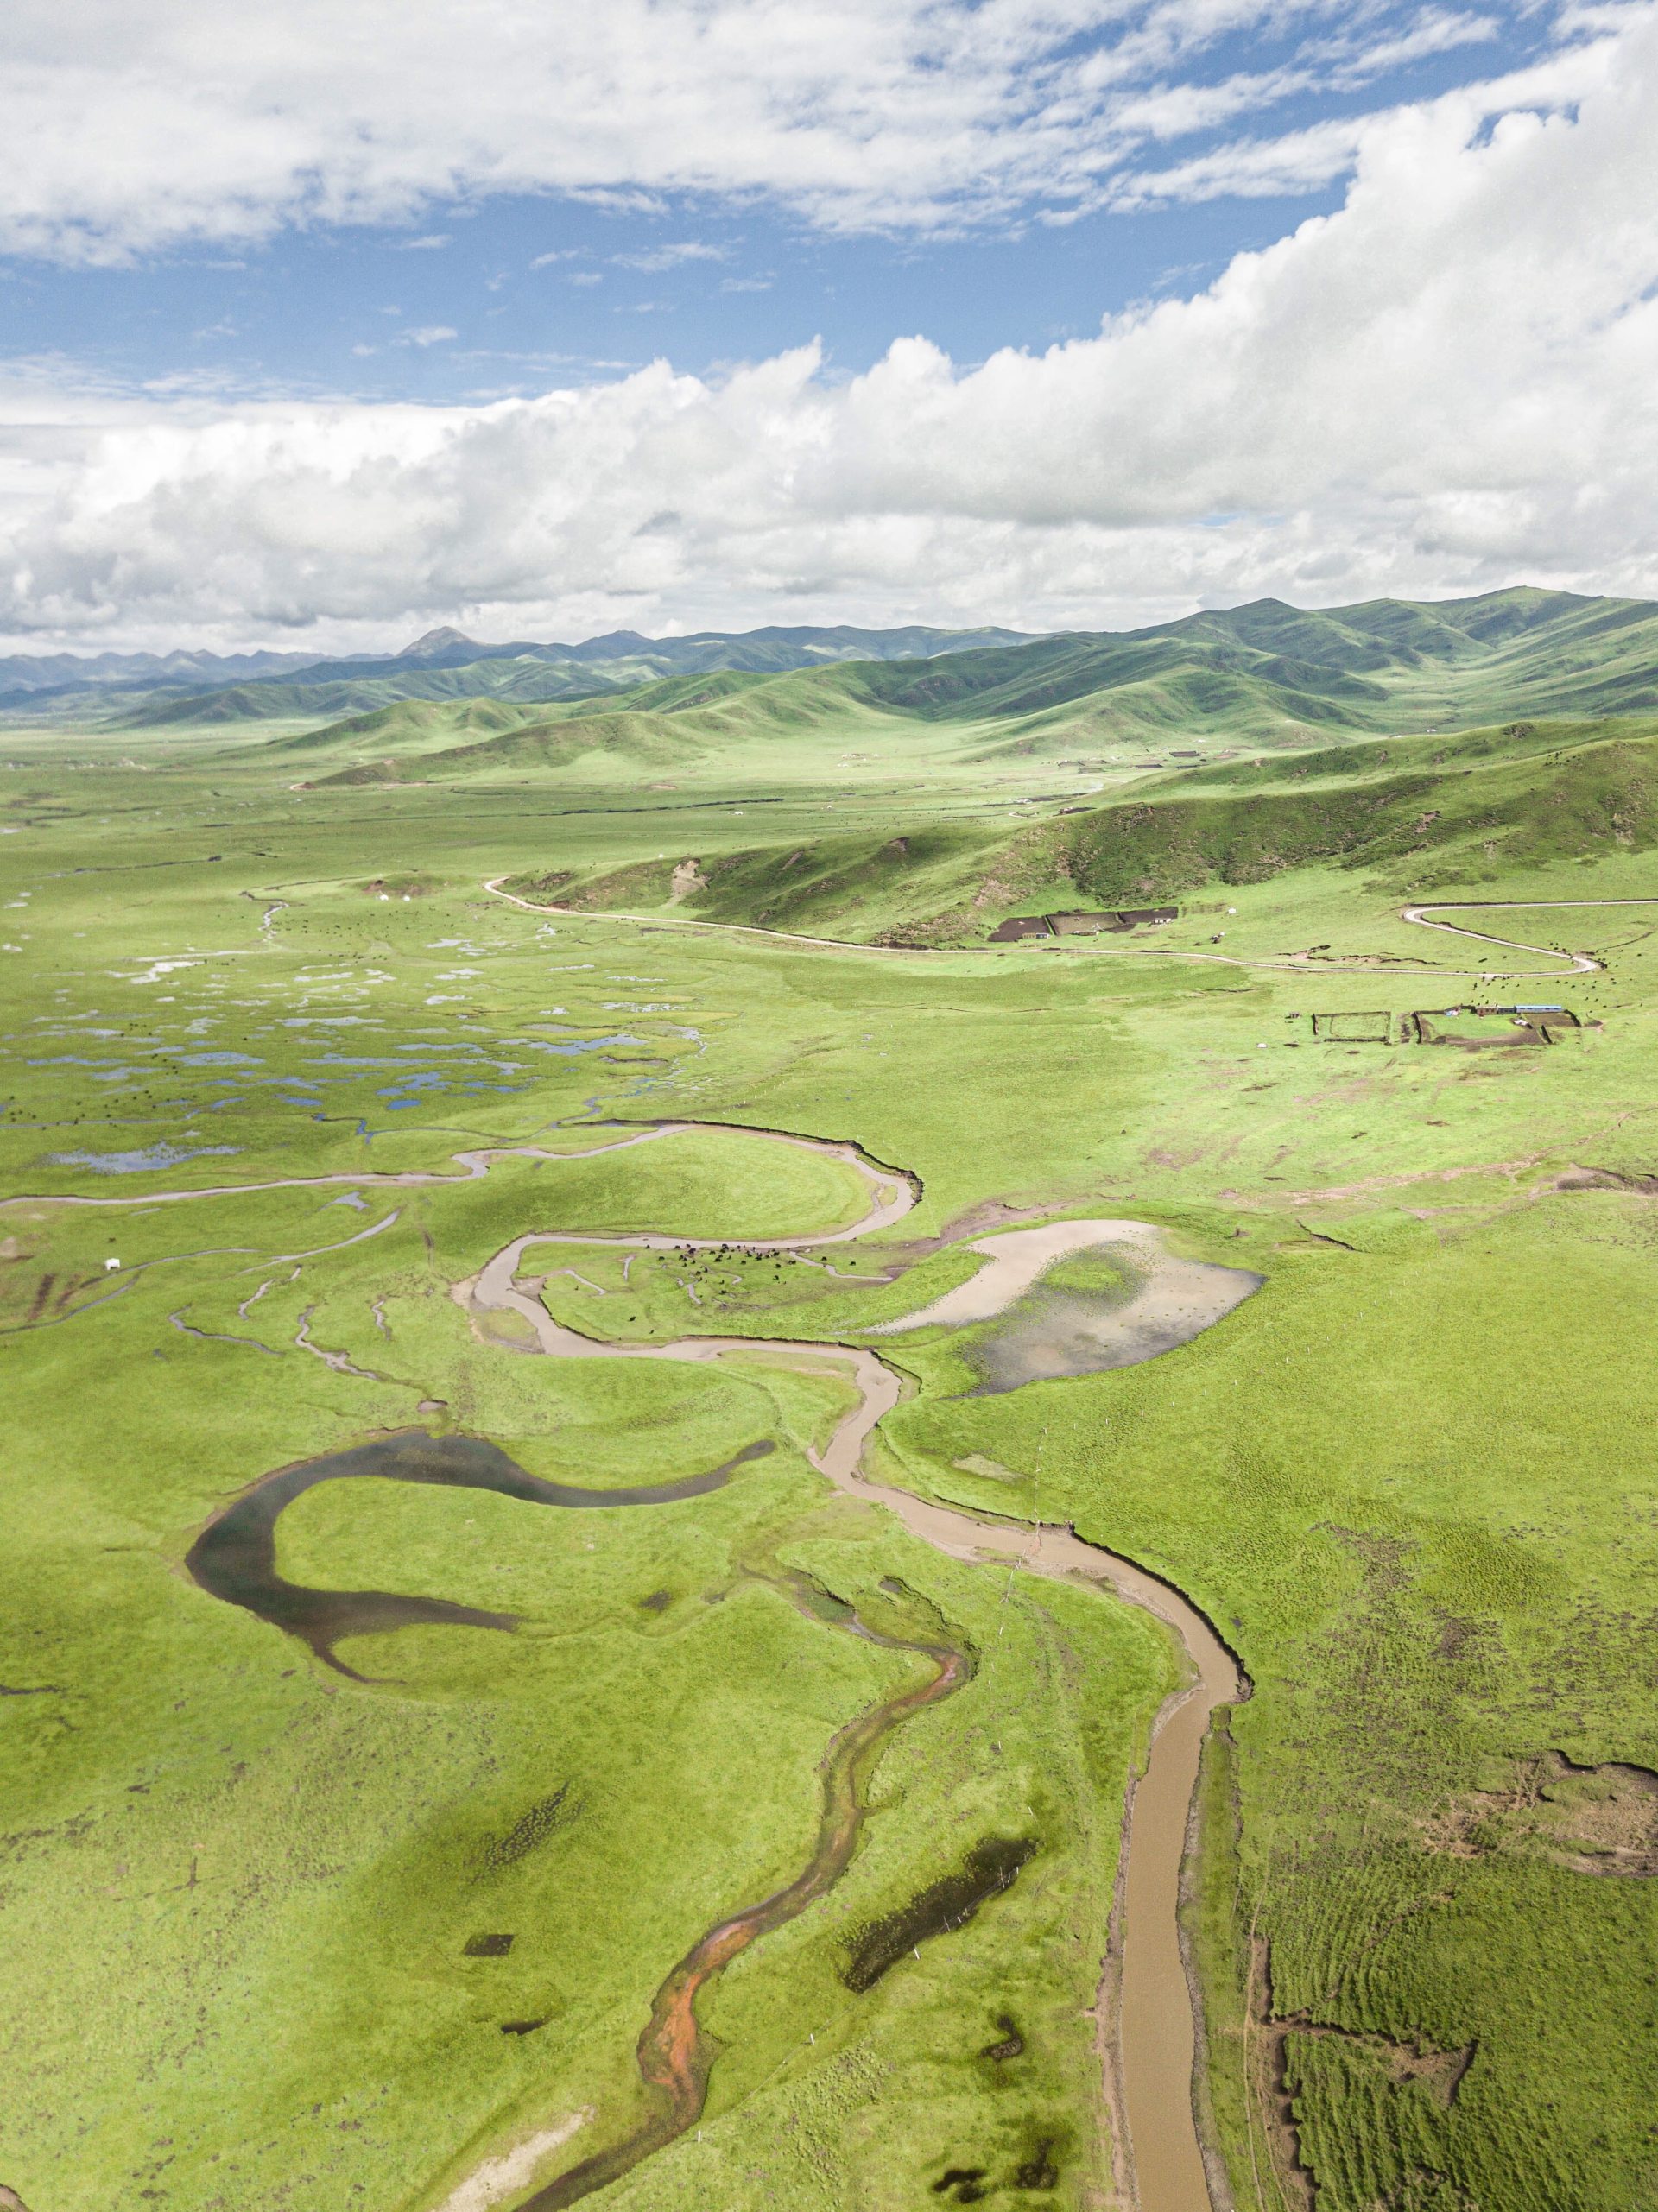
<point x="1572" y="963"/>
<point x="1578" y="962"/>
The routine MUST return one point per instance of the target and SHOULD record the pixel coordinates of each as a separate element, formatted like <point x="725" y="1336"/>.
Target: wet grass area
<point x="1409" y="1481"/>
<point x="989" y="1868"/>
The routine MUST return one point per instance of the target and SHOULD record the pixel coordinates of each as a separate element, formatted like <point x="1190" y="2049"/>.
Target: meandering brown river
<point x="1148" y="2049"/>
<point x="1147" y="2030"/>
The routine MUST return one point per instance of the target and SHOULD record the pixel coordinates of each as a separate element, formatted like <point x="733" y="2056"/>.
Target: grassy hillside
<point x="409" y="726"/>
<point x="1423" y="815"/>
<point x="1268" y="672"/>
<point x="448" y="666"/>
<point x="1265" y="677"/>
<point x="1504" y="652"/>
<point x="600" y="741"/>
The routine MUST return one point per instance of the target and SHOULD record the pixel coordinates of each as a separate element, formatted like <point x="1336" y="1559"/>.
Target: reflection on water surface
<point x="1054" y="1332"/>
<point x="235" y="1556"/>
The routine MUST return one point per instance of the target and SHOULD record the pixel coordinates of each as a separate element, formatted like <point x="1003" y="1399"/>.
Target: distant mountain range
<point x="1254" y="671"/>
<point x="192" y="687"/>
<point x="1265" y="678"/>
<point x="25" y="676"/>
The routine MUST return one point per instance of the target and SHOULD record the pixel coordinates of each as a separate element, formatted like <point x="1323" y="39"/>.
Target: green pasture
<point x="1410" y="1480"/>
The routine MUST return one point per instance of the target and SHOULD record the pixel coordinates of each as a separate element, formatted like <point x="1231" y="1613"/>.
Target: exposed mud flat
<point x="1050" y="1334"/>
<point x="500" y="2179"/>
<point x="1047" y="1335"/>
<point x="1595" y="1820"/>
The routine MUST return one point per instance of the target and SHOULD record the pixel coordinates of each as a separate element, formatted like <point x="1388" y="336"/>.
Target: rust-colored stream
<point x="1148" y="2047"/>
<point x="674" y="2055"/>
<point x="1146" y="2024"/>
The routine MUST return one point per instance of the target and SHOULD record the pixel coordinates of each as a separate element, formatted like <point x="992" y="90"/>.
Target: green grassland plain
<point x="1411" y="1481"/>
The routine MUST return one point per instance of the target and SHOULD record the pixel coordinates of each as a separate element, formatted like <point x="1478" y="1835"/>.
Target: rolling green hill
<point x="444" y="665"/>
<point x="1265" y="676"/>
<point x="410" y="725"/>
<point x="529" y="680"/>
<point x="600" y="742"/>
<point x="1426" y="814"/>
<point x="1256" y="669"/>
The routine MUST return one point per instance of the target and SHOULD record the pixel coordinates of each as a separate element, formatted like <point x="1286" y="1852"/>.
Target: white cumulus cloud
<point x="133" y="128"/>
<point x="1450" y="382"/>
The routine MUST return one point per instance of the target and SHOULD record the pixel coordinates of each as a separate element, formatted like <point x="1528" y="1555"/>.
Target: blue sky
<point x="321" y="321"/>
<point x="456" y="299"/>
<point x="400" y="315"/>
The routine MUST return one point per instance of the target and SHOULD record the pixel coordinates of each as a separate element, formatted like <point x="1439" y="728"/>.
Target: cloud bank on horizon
<point x="1447" y="380"/>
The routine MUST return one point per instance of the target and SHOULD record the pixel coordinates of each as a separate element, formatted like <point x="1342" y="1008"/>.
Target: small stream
<point x="1147" y="2035"/>
<point x="1148" y="2060"/>
<point x="674" y="2053"/>
<point x="234" y="1559"/>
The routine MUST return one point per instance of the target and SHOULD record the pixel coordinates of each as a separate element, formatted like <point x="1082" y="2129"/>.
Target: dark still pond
<point x="235" y="1556"/>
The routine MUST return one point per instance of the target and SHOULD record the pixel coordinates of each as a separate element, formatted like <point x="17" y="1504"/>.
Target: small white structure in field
<point x="109" y="1264"/>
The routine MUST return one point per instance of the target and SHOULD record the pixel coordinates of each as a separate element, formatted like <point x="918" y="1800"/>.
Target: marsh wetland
<point x="821" y="1563"/>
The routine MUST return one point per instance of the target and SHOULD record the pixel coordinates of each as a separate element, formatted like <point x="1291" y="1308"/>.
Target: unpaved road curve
<point x="1573" y="963"/>
<point x="1148" y="2061"/>
<point x="493" y="883"/>
<point x="1577" y="963"/>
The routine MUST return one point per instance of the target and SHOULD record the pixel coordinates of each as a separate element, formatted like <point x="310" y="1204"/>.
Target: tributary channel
<point x="1148" y="2035"/>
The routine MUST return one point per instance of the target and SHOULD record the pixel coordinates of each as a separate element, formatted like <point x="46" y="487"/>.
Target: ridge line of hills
<point x="1270" y="662"/>
<point x="1419" y="816"/>
<point x="1264" y="675"/>
<point x="194" y="682"/>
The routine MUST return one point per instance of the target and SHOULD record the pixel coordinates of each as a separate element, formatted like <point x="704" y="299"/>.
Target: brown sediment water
<point x="1149" y="2070"/>
<point x="674" y="2055"/>
<point x="1145" y="1996"/>
<point x="1147" y="2028"/>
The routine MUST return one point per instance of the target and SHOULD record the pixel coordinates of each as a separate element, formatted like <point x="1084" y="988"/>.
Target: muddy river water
<point x="1147" y="2030"/>
<point x="1149" y="2056"/>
